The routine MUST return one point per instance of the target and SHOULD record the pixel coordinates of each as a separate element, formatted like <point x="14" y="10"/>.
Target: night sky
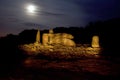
<point x="17" y="15"/>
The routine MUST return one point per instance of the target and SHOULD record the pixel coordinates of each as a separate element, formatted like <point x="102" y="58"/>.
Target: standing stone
<point x="45" y="39"/>
<point x="95" y="42"/>
<point x="38" y="37"/>
<point x="51" y="31"/>
<point x="51" y="36"/>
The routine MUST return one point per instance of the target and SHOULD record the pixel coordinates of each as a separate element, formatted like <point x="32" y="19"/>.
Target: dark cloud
<point x="12" y="19"/>
<point x="29" y="24"/>
<point x="51" y="13"/>
<point x="32" y="25"/>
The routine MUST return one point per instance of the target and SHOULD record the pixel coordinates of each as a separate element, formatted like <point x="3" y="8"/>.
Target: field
<point x="79" y="69"/>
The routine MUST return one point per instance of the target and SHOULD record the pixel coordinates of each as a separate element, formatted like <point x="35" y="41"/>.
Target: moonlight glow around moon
<point x="31" y="8"/>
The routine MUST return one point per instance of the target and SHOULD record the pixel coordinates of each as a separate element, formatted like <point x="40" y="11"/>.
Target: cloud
<point x="12" y="19"/>
<point x="51" y="13"/>
<point x="32" y="24"/>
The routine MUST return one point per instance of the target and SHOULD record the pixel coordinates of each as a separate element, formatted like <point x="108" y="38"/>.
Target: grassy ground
<point x="84" y="69"/>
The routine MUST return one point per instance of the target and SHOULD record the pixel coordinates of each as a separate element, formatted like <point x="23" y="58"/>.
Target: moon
<point x="31" y="8"/>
